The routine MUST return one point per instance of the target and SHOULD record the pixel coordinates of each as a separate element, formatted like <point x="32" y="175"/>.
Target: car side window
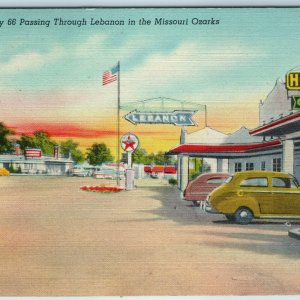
<point x="282" y="182"/>
<point x="258" y="182"/>
<point x="216" y="180"/>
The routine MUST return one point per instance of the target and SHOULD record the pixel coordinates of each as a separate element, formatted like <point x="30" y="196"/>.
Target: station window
<point x="249" y="166"/>
<point x="277" y="164"/>
<point x="263" y="165"/>
<point x="238" y="167"/>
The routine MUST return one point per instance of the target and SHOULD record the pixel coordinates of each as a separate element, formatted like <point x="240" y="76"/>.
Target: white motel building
<point x="273" y="145"/>
<point x="33" y="162"/>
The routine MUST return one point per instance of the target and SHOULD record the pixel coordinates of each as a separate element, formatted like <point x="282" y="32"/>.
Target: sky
<point x="51" y="76"/>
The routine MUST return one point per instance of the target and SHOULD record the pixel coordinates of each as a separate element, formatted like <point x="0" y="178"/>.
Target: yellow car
<point x="4" y="172"/>
<point x="256" y="194"/>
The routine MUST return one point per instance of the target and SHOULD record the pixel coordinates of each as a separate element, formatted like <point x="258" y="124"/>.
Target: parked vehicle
<point x="80" y="172"/>
<point x="198" y="189"/>
<point x="104" y="174"/>
<point x="256" y="194"/>
<point x="154" y="175"/>
<point x="109" y="172"/>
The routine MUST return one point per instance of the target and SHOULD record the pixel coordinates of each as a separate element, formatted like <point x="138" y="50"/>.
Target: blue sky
<point x="53" y="74"/>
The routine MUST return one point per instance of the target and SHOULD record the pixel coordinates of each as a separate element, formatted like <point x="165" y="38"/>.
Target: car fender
<point x="232" y="204"/>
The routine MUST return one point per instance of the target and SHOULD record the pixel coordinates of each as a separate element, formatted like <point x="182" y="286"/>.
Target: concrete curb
<point x="295" y="233"/>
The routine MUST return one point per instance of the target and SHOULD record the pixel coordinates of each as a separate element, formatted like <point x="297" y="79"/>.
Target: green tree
<point x="40" y="139"/>
<point x="5" y="144"/>
<point x="44" y="141"/>
<point x="27" y="141"/>
<point x="170" y="160"/>
<point x="197" y="169"/>
<point x="161" y="158"/>
<point x="70" y="146"/>
<point x="139" y="156"/>
<point x="98" y="154"/>
<point x="151" y="159"/>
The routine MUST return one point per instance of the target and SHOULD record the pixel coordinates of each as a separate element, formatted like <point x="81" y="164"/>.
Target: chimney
<point x="17" y="150"/>
<point x="56" y="152"/>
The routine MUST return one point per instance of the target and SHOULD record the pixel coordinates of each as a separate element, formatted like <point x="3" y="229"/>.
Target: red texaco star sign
<point x="129" y="142"/>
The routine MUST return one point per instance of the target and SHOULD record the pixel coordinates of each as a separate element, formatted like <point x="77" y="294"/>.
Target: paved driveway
<point x="56" y="240"/>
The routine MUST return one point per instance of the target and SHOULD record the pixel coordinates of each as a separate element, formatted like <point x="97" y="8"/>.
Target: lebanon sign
<point x="177" y="117"/>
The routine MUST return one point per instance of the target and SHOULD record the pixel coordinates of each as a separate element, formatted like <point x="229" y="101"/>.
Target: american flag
<point x="110" y="75"/>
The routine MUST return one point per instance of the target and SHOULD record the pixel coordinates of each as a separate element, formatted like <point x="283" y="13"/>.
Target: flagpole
<point x="118" y="141"/>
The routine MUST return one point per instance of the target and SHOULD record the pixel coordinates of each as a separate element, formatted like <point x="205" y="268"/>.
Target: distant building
<point x="34" y="162"/>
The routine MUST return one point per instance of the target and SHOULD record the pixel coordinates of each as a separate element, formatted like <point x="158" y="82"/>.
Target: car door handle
<point x="240" y="193"/>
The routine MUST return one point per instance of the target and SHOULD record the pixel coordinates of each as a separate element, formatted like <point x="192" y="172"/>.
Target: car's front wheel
<point x="196" y="203"/>
<point x="243" y="215"/>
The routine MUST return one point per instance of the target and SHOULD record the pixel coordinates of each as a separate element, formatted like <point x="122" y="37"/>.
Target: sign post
<point x="129" y="143"/>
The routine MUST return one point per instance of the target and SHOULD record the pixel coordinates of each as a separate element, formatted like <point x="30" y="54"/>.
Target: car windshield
<point x="294" y="179"/>
<point x="228" y="179"/>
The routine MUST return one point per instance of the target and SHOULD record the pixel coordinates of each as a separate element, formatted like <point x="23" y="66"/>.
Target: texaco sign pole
<point x="129" y="143"/>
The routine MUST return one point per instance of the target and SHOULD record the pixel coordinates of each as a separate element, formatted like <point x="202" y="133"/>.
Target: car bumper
<point x="205" y="206"/>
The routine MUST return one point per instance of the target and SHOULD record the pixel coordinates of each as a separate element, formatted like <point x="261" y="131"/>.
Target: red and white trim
<point x="276" y="124"/>
<point x="223" y="148"/>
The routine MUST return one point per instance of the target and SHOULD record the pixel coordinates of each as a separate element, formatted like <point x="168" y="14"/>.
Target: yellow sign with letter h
<point x="293" y="81"/>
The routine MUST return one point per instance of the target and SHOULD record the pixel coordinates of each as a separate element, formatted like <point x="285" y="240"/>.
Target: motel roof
<point x="284" y="125"/>
<point x="224" y="148"/>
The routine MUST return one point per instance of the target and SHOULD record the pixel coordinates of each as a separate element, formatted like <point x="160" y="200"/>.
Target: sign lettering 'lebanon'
<point x="179" y="118"/>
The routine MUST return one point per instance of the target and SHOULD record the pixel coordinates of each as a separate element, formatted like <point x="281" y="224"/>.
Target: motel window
<point x="277" y="164"/>
<point x="238" y="167"/>
<point x="263" y="165"/>
<point x="249" y="166"/>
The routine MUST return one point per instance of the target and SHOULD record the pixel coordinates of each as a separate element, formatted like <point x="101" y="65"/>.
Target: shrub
<point x="173" y="181"/>
<point x="4" y="172"/>
<point x="103" y="189"/>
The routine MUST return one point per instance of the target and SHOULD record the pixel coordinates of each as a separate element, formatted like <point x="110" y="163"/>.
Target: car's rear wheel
<point x="196" y="203"/>
<point x="230" y="218"/>
<point x="243" y="215"/>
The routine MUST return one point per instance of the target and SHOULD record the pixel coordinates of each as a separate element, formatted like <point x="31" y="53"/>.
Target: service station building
<point x="273" y="145"/>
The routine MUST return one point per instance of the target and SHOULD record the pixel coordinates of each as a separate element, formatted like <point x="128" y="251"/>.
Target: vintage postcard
<point x="149" y="152"/>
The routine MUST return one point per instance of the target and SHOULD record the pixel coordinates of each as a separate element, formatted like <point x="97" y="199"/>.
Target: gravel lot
<point x="56" y="240"/>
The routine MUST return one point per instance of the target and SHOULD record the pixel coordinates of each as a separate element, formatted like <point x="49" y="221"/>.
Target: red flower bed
<point x="103" y="189"/>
